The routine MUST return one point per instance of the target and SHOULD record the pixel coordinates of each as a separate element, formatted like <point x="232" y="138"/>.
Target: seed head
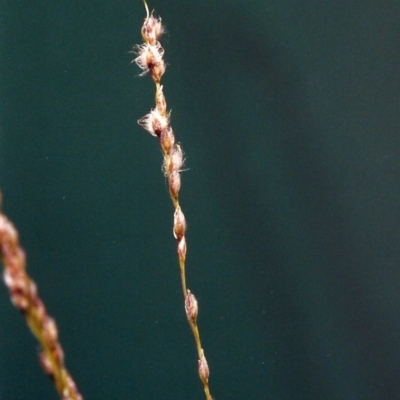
<point x="174" y="180"/>
<point x="182" y="248"/>
<point x="152" y="29"/>
<point x="204" y="371"/>
<point x="179" y="223"/>
<point x="154" y="122"/>
<point x="191" y="307"/>
<point x="167" y="139"/>
<point x="176" y="161"/>
<point x="150" y="58"/>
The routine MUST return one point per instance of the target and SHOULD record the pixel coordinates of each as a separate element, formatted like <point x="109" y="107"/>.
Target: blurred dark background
<point x="289" y="116"/>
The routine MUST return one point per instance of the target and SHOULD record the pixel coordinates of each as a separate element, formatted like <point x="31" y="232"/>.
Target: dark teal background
<point x="289" y="116"/>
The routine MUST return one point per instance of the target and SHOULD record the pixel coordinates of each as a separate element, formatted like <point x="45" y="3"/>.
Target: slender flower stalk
<point x="25" y="297"/>
<point x="150" y="59"/>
